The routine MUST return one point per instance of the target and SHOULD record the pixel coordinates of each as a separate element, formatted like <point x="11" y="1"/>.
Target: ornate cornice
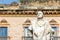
<point x="29" y="13"/>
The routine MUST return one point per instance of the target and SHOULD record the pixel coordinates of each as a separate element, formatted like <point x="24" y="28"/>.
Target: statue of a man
<point x="40" y="28"/>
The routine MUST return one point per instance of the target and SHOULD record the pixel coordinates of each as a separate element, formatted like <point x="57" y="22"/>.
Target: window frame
<point x="4" y="30"/>
<point x="24" y="31"/>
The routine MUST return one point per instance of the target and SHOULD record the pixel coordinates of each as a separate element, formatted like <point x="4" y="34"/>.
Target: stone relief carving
<point x="42" y="4"/>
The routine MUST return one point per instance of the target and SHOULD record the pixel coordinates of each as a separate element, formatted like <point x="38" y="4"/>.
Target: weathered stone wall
<point x="16" y="29"/>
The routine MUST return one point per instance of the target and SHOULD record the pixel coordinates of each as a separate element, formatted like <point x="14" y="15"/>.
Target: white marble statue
<point x="40" y="28"/>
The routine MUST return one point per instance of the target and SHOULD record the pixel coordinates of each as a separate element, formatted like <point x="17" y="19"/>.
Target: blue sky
<point x="7" y="1"/>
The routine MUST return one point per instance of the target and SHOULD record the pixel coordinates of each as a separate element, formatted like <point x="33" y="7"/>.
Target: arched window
<point x="54" y="26"/>
<point x="26" y="32"/>
<point x="4" y="29"/>
<point x="27" y="35"/>
<point x="55" y="33"/>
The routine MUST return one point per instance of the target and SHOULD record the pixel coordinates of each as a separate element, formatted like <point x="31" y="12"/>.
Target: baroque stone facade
<point x="15" y="17"/>
<point x="17" y="21"/>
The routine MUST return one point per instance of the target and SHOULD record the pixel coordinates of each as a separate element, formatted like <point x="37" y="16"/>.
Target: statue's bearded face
<point x="40" y="14"/>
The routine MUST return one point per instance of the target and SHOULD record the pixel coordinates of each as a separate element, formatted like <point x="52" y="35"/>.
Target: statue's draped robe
<point x="42" y="30"/>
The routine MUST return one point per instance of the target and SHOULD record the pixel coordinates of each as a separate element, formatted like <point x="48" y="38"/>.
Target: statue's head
<point x="40" y="14"/>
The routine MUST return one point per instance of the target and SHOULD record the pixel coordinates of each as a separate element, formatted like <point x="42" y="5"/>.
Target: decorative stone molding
<point x="31" y="13"/>
<point x="4" y="23"/>
<point x="53" y="22"/>
<point x="27" y="22"/>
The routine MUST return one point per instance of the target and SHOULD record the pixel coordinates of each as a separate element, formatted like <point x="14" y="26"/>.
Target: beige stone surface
<point x="16" y="29"/>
